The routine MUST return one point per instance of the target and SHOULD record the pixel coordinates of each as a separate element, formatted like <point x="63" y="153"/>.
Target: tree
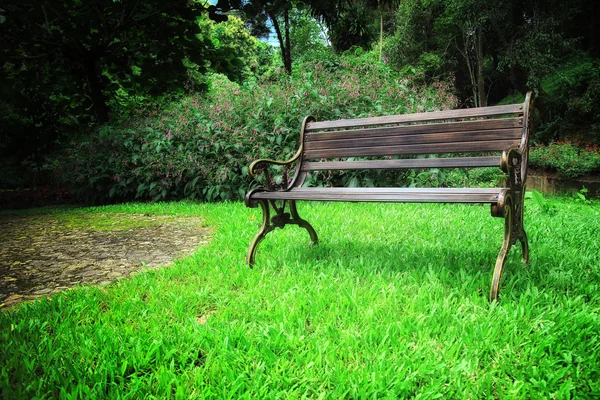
<point x="253" y="57"/>
<point x="308" y="36"/>
<point x="353" y="27"/>
<point x="106" y="44"/>
<point x="262" y="14"/>
<point x="491" y="47"/>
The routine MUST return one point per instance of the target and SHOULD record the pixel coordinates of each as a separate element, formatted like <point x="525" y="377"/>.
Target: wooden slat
<point x="418" y="191"/>
<point x="439" y="148"/>
<point x="400" y="195"/>
<point x="481" y="125"/>
<point x="457" y="162"/>
<point x="419" y="117"/>
<point x="433" y="139"/>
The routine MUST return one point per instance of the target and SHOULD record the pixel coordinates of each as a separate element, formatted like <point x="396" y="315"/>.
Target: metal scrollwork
<point x="279" y="220"/>
<point x="510" y="207"/>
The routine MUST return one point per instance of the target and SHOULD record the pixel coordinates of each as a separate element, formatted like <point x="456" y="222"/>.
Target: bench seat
<point x="388" y="195"/>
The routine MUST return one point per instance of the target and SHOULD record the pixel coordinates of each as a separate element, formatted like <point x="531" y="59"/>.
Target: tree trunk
<point x="380" y="31"/>
<point x="466" y="53"/>
<point x="95" y="88"/>
<point x="288" y="45"/>
<point x="284" y="44"/>
<point x="480" y="72"/>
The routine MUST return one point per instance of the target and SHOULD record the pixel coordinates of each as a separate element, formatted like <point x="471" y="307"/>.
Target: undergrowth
<point x="201" y="146"/>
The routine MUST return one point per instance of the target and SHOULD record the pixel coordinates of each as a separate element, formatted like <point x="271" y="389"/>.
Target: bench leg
<point x="279" y="220"/>
<point x="513" y="231"/>
<point x="524" y="247"/>
<point x="302" y="223"/>
<point x="522" y="236"/>
<point x="506" y="244"/>
<point x="265" y="228"/>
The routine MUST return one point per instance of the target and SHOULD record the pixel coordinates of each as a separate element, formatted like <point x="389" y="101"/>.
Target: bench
<point x="494" y="136"/>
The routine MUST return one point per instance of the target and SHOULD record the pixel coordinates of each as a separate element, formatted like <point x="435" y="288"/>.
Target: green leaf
<point x="353" y="182"/>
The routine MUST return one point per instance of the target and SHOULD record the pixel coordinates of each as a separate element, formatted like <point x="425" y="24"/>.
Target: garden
<point x="126" y="135"/>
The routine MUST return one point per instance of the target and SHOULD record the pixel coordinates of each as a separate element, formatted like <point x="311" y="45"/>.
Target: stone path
<point x="41" y="255"/>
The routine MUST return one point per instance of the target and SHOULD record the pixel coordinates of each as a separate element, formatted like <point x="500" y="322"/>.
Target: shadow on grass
<point x="451" y="262"/>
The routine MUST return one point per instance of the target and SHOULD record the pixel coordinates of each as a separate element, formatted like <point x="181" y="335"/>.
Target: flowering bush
<point x="567" y="158"/>
<point x="201" y="147"/>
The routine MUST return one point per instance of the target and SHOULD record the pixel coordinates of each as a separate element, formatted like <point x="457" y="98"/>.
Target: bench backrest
<point x="473" y="130"/>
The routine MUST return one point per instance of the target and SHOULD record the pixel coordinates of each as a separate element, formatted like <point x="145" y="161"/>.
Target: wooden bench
<point x="469" y="135"/>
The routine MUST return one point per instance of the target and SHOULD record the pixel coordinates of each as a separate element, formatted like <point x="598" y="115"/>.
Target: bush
<point x="568" y="159"/>
<point x="571" y="106"/>
<point x="201" y="147"/>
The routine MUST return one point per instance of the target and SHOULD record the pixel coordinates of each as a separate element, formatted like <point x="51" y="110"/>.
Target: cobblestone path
<point x="41" y="255"/>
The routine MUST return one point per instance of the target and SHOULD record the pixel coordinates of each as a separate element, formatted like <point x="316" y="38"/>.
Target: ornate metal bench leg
<point x="279" y="220"/>
<point x="303" y="223"/>
<point x="508" y="242"/>
<point x="265" y="228"/>
<point x="522" y="236"/>
<point x="524" y="247"/>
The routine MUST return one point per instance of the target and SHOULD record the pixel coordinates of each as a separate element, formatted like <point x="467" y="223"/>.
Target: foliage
<point x="280" y="15"/>
<point x="391" y="303"/>
<point x="571" y="102"/>
<point x="545" y="206"/>
<point x="568" y="159"/>
<point x="254" y="57"/>
<point x="32" y="123"/>
<point x="140" y="47"/>
<point x="492" y="48"/>
<point x="65" y="68"/>
<point x="261" y="15"/>
<point x="456" y="177"/>
<point x="354" y="27"/>
<point x="201" y="147"/>
<point x="411" y="44"/>
<point x="307" y="36"/>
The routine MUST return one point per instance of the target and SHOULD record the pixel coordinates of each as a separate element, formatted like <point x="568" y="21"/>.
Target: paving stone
<point x="41" y="255"/>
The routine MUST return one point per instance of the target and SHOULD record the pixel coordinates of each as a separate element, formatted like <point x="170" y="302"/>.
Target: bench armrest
<point x="510" y="163"/>
<point x="260" y="165"/>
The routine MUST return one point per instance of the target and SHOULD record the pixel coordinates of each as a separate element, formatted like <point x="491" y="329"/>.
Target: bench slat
<point x="461" y="162"/>
<point x="482" y="125"/>
<point x="419" y="117"/>
<point x="401" y="189"/>
<point x="430" y="139"/>
<point x="439" y="148"/>
<point x="403" y="195"/>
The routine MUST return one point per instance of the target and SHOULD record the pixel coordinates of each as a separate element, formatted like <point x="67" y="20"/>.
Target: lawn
<point x="391" y="303"/>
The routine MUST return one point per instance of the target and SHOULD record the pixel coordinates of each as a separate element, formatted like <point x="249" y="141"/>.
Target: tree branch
<point x="28" y="57"/>
<point x="46" y="19"/>
<point x="151" y="14"/>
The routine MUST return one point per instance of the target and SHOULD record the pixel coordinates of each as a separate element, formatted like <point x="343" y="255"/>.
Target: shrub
<point x="201" y="146"/>
<point x="568" y="159"/>
<point x="571" y="108"/>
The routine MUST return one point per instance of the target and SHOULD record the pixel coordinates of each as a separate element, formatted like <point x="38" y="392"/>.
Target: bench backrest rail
<point x="475" y="130"/>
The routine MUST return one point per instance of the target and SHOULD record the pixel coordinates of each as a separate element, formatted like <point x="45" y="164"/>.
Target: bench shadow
<point x="452" y="260"/>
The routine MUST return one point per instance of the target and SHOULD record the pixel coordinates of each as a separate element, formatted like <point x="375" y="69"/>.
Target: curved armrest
<point x="511" y="158"/>
<point x="259" y="165"/>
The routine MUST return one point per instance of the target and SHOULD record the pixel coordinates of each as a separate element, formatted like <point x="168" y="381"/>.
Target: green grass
<point x="391" y="303"/>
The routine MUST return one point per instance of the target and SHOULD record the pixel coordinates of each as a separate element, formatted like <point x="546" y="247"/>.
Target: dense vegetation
<point x="202" y="146"/>
<point x="165" y="100"/>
